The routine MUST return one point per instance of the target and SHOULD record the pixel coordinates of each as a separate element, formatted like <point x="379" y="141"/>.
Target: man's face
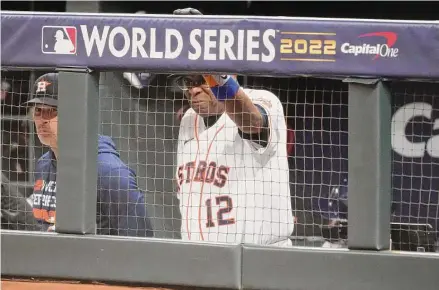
<point x="201" y="98"/>
<point x="46" y="123"/>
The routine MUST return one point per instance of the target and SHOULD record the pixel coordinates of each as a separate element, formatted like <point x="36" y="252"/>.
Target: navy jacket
<point x="121" y="208"/>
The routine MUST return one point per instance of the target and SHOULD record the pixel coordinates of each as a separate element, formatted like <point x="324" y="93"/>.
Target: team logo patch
<point x="42" y="86"/>
<point x="59" y="40"/>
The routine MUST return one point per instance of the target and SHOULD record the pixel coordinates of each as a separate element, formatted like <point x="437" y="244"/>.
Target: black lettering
<point x="221" y="177"/>
<point x="224" y="210"/>
<point x="180" y="177"/>
<point x="201" y="172"/>
<point x="190" y="166"/>
<point x="211" y="170"/>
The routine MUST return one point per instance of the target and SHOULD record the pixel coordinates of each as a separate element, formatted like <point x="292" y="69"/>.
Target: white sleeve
<point x="276" y="119"/>
<point x="276" y="220"/>
<point x="185" y="132"/>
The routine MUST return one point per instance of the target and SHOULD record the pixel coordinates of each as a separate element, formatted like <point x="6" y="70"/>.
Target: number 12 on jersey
<point x="219" y="200"/>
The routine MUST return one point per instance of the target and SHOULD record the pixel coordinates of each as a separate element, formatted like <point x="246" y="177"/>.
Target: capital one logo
<point x="374" y="45"/>
<point x="401" y="119"/>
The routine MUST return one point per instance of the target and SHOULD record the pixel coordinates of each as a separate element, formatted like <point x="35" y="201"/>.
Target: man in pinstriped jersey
<point x="232" y="171"/>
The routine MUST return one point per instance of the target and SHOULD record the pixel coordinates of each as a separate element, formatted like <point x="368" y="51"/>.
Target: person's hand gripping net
<point x="187" y="11"/>
<point x="224" y="87"/>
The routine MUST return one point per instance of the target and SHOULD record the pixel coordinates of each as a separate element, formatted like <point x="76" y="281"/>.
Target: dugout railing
<point x="75" y="252"/>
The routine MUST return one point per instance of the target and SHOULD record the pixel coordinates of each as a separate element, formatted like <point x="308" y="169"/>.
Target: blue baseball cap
<point x="45" y="90"/>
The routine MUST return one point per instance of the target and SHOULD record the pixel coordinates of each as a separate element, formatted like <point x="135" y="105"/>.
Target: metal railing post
<point x="369" y="184"/>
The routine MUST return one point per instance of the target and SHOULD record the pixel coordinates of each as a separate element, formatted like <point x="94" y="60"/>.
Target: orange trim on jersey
<point x="192" y="178"/>
<point x="197" y="138"/>
<point x="204" y="181"/>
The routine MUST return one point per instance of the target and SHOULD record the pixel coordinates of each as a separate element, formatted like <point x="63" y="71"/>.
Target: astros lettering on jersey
<point x="232" y="189"/>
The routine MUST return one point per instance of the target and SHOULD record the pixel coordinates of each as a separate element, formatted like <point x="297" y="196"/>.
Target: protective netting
<point x="415" y="164"/>
<point x="141" y="122"/>
<point x="316" y="114"/>
<point x="19" y="146"/>
<point x="142" y="114"/>
<point x="144" y="123"/>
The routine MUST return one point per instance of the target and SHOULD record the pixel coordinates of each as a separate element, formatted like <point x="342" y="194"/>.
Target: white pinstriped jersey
<point x="232" y="189"/>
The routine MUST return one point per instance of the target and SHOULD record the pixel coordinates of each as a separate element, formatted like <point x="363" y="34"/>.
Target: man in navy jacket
<point x="121" y="206"/>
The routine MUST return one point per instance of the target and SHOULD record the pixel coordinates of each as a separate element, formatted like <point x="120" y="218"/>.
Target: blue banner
<point x="275" y="46"/>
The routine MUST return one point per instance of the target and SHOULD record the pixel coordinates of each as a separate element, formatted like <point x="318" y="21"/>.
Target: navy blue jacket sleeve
<point x="121" y="204"/>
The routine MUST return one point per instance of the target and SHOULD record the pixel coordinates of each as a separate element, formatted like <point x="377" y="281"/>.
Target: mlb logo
<point x="59" y="40"/>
